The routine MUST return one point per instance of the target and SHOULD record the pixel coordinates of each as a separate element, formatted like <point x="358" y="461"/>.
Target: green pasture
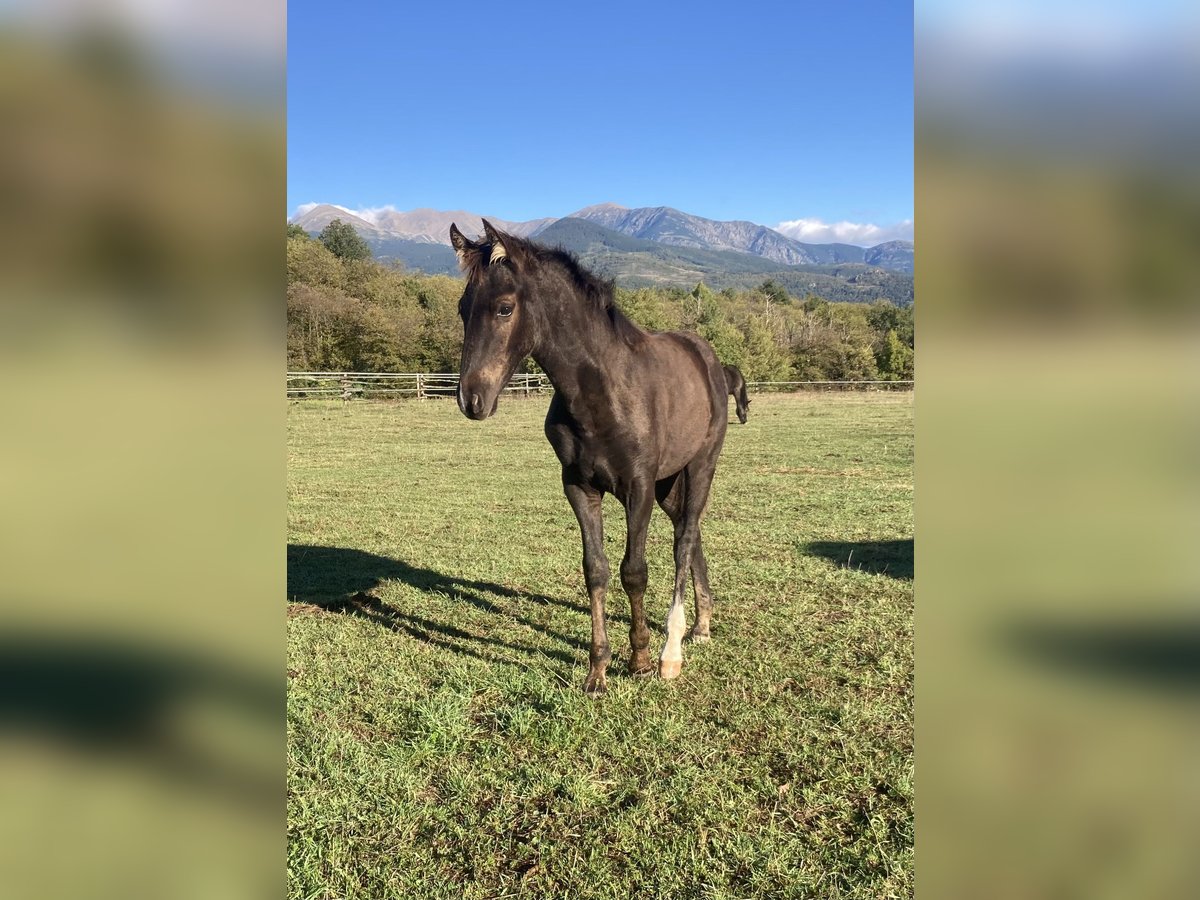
<point x="439" y="743"/>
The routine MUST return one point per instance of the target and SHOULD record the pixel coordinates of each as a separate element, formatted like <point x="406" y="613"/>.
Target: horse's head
<point x="499" y="330"/>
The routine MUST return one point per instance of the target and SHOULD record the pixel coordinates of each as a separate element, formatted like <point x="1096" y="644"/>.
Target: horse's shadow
<point x="342" y="580"/>
<point x="894" y="558"/>
<point x="1162" y="654"/>
<point x="114" y="694"/>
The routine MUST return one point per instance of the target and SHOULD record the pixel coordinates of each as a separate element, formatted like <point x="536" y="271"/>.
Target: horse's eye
<point x="505" y="310"/>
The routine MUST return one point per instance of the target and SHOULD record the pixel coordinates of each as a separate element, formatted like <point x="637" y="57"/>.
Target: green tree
<point x="295" y="231"/>
<point x="712" y="324"/>
<point x="883" y="316"/>
<point x="315" y="326"/>
<point x="441" y="329"/>
<point x="774" y="291"/>
<point x="387" y="285"/>
<point x="726" y="340"/>
<point x="816" y="306"/>
<point x="308" y="262"/>
<point x="650" y="309"/>
<point x="343" y="241"/>
<point x="894" y="358"/>
<point x="762" y="358"/>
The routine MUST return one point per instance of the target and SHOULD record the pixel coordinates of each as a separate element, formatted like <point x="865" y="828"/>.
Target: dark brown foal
<point x="637" y="414"/>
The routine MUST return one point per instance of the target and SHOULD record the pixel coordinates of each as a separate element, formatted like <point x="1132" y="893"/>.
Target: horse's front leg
<point x="633" y="578"/>
<point x="588" y="510"/>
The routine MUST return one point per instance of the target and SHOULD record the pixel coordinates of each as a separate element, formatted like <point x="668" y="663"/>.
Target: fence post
<point x="420" y="388"/>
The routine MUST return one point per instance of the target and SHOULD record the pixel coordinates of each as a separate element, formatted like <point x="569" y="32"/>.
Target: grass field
<point x="439" y="743"/>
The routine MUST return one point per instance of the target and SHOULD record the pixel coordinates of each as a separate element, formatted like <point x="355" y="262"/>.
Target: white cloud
<point x="371" y="213"/>
<point x="302" y="209"/>
<point x="814" y="231"/>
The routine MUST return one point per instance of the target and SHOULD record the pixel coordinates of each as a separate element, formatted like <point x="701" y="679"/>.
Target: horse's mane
<point x="600" y="293"/>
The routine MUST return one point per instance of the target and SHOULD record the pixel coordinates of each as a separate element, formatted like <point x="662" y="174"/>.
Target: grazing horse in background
<point x="636" y="414"/>
<point x="737" y="387"/>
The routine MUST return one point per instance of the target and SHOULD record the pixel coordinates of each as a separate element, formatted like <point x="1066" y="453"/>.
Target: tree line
<point x="348" y="312"/>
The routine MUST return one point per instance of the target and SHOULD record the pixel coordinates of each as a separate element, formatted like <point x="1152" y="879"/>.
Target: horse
<point x="640" y="415"/>
<point x="737" y="387"/>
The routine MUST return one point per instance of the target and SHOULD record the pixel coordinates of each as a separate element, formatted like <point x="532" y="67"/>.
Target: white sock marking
<point x="673" y="648"/>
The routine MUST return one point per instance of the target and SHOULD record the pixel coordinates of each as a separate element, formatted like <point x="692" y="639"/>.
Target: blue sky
<point x="771" y="112"/>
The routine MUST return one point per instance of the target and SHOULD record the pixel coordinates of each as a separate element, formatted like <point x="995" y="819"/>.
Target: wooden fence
<point x="430" y="385"/>
<point x="760" y="387"/>
<point x="391" y="385"/>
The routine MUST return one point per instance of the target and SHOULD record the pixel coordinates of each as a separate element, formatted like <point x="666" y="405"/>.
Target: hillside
<point x="424" y="256"/>
<point x="897" y="255"/>
<point x="671" y="226"/>
<point x="842" y="273"/>
<point x="636" y="262"/>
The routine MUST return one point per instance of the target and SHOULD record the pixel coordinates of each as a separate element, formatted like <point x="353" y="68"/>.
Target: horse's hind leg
<point x="704" y="600"/>
<point x="671" y="496"/>
<point x="696" y="481"/>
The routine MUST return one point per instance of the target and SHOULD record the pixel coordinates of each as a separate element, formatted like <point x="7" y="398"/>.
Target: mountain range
<point x="649" y="246"/>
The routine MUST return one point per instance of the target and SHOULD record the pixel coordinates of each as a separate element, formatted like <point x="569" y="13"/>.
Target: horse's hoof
<point x="595" y="686"/>
<point x="641" y="670"/>
<point x="669" y="668"/>
<point x="699" y="637"/>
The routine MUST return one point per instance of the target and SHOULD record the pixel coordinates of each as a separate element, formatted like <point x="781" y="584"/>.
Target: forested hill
<point x="347" y="312"/>
<point x="638" y="262"/>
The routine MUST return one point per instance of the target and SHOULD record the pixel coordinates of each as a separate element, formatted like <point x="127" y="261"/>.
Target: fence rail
<point x="781" y="386"/>
<point x="431" y="385"/>
<point x="416" y="385"/>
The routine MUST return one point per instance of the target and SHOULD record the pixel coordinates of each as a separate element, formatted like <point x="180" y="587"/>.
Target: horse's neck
<point x="580" y="351"/>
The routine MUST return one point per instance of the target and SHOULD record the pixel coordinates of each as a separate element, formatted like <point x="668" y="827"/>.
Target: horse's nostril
<point x="476" y="404"/>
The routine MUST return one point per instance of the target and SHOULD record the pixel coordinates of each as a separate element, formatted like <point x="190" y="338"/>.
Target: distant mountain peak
<point x="663" y="225"/>
<point x="322" y="214"/>
<point x="597" y="207"/>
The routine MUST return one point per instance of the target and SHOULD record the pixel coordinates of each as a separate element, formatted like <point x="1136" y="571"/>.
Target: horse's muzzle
<point x="472" y="404"/>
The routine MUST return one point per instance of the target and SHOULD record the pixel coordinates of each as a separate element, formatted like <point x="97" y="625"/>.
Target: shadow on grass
<point x="1164" y="655"/>
<point x="340" y="579"/>
<point x="894" y="558"/>
<point x="114" y="697"/>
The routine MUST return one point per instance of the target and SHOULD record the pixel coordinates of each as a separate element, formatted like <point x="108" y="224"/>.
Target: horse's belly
<point x="684" y="436"/>
<point x="674" y="462"/>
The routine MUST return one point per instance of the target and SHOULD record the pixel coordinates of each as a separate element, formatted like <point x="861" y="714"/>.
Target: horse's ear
<point x="457" y="240"/>
<point x="489" y="232"/>
<point x="464" y="249"/>
<point x="498" y="241"/>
